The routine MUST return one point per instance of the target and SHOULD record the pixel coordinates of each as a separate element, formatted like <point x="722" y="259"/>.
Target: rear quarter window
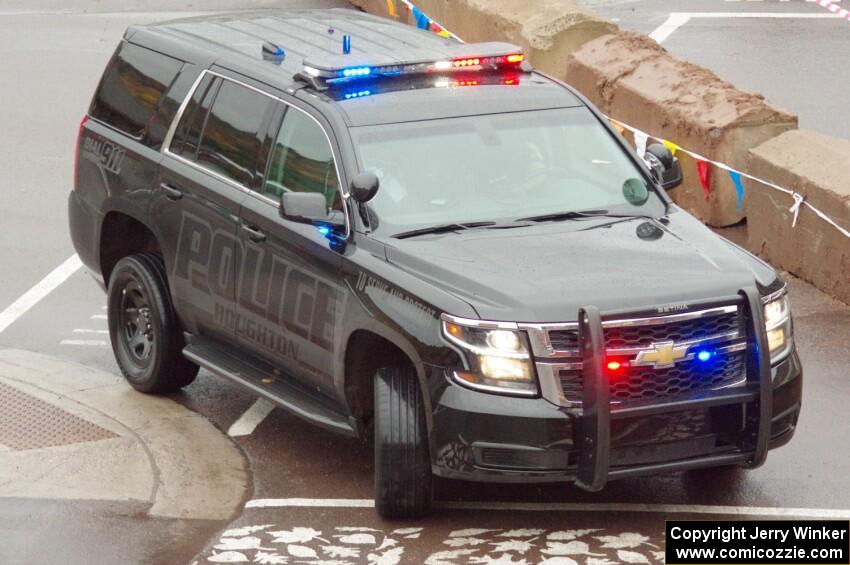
<point x="130" y="96"/>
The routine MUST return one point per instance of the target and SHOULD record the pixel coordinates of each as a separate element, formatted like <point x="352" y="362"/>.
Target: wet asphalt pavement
<point x="47" y="75"/>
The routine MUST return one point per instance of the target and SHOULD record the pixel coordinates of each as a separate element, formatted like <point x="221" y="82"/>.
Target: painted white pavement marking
<point x="677" y="19"/>
<point x="345" y="545"/>
<point x="248" y="422"/>
<point x="44" y="287"/>
<point x="88" y="331"/>
<point x="84" y="342"/>
<point x="674" y="21"/>
<point x="836" y="513"/>
<point x="98" y="317"/>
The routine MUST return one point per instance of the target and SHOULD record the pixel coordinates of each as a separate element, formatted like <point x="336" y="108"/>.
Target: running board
<point x="287" y="394"/>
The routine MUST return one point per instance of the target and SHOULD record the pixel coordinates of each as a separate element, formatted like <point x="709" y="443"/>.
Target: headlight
<point x="777" y="321"/>
<point x="497" y="354"/>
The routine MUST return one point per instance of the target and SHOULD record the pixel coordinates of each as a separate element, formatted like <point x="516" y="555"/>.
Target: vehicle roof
<point x="235" y="41"/>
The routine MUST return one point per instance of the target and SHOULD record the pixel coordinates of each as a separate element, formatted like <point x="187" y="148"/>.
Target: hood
<point x="546" y="272"/>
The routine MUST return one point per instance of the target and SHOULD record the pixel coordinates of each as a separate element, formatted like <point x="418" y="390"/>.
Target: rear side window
<point x="230" y="143"/>
<point x="188" y="134"/>
<point x="132" y="88"/>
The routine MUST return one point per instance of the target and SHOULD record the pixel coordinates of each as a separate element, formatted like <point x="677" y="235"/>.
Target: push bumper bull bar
<point x="594" y="429"/>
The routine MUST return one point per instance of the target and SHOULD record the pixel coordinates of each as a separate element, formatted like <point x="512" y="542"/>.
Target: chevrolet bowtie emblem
<point x="662" y="354"/>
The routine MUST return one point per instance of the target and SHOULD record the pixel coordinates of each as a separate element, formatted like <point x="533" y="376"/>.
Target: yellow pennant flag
<point x="391" y="8"/>
<point x="671" y="146"/>
<point x="444" y="33"/>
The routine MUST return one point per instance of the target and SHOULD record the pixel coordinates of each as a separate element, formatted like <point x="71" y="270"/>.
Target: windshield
<point x="497" y="168"/>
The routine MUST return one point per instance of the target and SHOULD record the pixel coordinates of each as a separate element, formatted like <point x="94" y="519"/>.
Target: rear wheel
<point x="145" y="335"/>
<point x="402" y="459"/>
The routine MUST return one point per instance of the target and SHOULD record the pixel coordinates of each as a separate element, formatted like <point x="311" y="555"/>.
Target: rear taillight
<point x="77" y="149"/>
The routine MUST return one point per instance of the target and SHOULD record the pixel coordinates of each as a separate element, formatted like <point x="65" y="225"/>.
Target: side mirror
<point x="304" y="207"/>
<point x="364" y="187"/>
<point x="664" y="165"/>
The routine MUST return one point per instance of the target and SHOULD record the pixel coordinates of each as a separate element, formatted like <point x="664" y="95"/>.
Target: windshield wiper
<point x="441" y="228"/>
<point x="577" y="215"/>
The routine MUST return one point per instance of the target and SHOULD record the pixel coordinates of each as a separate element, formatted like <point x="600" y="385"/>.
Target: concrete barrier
<point x="818" y="167"/>
<point x="548" y="30"/>
<point x="632" y="78"/>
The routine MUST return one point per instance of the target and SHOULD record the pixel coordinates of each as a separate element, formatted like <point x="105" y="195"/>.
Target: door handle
<point x="254" y="234"/>
<point x="170" y="192"/>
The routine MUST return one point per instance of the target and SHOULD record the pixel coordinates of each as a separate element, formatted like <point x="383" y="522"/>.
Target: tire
<point x="146" y="337"/>
<point x="403" y="481"/>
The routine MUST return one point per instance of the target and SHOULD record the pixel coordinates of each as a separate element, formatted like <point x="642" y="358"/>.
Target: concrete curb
<point x="191" y="470"/>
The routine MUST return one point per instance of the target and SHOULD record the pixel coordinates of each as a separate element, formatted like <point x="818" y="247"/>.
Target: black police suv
<point x="398" y="236"/>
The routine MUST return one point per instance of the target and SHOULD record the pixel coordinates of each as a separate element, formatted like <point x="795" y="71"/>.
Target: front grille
<point x="647" y="383"/>
<point x="688" y="330"/>
<point x="723" y="328"/>
<point x="564" y="340"/>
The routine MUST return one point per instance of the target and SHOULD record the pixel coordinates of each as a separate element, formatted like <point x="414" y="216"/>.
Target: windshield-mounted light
<point x="497" y="355"/>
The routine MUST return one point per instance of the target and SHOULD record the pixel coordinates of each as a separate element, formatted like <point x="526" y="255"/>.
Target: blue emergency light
<point x="469" y="58"/>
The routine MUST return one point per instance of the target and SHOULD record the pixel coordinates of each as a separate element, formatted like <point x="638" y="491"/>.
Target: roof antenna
<point x="272" y="52"/>
<point x="346" y="44"/>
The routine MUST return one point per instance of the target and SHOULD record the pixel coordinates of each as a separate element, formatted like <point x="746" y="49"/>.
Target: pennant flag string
<point x="828" y="220"/>
<point x="736" y="176"/>
<point x="422" y="19"/>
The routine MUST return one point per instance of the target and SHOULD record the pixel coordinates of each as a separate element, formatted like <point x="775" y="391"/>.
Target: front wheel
<point x="402" y="460"/>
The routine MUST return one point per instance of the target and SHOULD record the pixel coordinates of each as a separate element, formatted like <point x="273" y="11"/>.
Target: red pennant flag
<point x="704" y="172"/>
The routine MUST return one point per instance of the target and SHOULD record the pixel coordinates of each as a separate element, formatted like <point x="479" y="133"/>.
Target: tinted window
<point x="230" y="144"/>
<point x="302" y="160"/>
<point x="188" y="133"/>
<point x="132" y="87"/>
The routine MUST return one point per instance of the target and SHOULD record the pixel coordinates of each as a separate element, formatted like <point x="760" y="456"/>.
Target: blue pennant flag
<point x="422" y="21"/>
<point x="739" y="187"/>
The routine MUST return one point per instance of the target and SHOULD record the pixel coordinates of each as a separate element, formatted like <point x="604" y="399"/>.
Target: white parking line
<point x="86" y="331"/>
<point x="248" y="422"/>
<point x="677" y="19"/>
<point x="84" y="342"/>
<point x="44" y="287"/>
<point x="665" y="30"/>
<point x="98" y="317"/>
<point x="565" y="507"/>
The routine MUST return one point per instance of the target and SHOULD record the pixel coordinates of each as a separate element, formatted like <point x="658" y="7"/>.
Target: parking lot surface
<point x="310" y="493"/>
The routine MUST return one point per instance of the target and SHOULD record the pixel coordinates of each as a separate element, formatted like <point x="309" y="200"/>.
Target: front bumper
<point x="484" y="437"/>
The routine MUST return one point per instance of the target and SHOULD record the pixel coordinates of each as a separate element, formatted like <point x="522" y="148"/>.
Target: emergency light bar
<point x="467" y="57"/>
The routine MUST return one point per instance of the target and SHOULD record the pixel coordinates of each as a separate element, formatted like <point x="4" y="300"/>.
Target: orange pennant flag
<point x="617" y="126"/>
<point x="391" y="8"/>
